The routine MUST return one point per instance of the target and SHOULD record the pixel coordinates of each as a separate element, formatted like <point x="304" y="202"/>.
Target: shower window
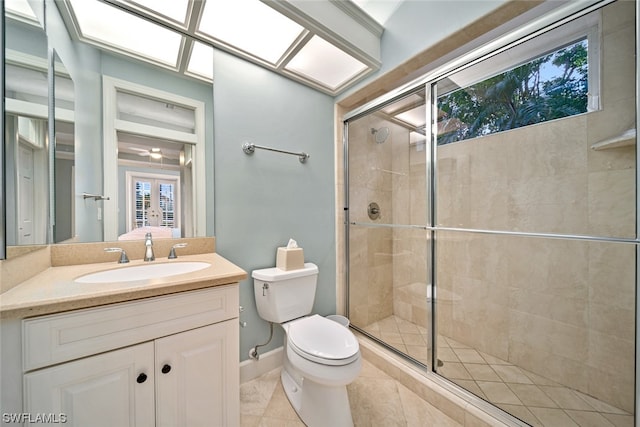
<point x="525" y="85"/>
<point x="547" y="88"/>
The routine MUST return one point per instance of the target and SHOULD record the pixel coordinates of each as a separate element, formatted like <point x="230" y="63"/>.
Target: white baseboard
<point x="250" y="368"/>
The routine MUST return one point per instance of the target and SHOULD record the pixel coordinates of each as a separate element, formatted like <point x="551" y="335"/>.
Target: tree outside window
<point x="547" y="88"/>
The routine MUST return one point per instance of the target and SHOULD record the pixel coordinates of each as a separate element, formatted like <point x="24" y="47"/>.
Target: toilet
<point x="321" y="356"/>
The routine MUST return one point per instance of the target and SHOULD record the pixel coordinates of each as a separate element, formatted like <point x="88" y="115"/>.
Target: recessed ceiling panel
<point x="201" y="60"/>
<point x="112" y="27"/>
<point x="250" y="26"/>
<point x="287" y="37"/>
<point x="323" y="62"/>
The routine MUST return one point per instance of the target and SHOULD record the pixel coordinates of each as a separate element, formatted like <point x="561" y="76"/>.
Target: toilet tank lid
<point x="274" y="274"/>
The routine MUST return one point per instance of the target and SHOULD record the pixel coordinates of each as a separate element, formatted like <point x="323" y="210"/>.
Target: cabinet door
<point x="104" y="390"/>
<point x="197" y="377"/>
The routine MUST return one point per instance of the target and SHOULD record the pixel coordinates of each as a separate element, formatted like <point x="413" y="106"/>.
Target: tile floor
<point x="530" y="397"/>
<point x="376" y="400"/>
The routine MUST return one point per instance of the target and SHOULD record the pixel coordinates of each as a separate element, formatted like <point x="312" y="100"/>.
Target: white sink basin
<point x="143" y="272"/>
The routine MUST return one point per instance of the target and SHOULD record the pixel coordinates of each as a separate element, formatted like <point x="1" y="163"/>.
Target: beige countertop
<point x="54" y="289"/>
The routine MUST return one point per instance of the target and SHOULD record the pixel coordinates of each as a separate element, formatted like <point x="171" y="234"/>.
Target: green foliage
<point x="547" y="88"/>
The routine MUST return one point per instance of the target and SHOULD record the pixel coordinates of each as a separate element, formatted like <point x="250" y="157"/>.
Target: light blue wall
<point x="25" y="38"/>
<point x="63" y="228"/>
<point x="83" y="63"/>
<point x="264" y="199"/>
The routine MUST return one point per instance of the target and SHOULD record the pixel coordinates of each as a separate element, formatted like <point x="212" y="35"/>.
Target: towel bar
<point x="250" y="148"/>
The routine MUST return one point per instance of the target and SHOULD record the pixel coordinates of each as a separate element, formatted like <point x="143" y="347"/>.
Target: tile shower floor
<point x="375" y="398"/>
<point x="530" y="397"/>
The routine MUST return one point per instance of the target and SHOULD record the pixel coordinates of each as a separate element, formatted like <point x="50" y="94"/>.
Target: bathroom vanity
<point x="161" y="351"/>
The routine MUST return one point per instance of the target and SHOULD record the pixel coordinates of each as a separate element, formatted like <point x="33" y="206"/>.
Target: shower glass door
<point x="535" y="224"/>
<point x="387" y="210"/>
<point x="492" y="223"/>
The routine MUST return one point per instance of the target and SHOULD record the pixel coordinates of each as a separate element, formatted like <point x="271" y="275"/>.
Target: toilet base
<point x="315" y="403"/>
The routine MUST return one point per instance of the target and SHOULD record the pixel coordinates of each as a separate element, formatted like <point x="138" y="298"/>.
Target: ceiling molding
<point x="348" y="28"/>
<point x="359" y="15"/>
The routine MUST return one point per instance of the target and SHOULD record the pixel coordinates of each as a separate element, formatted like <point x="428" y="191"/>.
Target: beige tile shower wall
<point x="371" y="249"/>
<point x="563" y="309"/>
<point x="387" y="265"/>
<point x="410" y="274"/>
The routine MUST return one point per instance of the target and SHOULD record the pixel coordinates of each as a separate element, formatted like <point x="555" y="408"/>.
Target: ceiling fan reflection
<point x="154" y="153"/>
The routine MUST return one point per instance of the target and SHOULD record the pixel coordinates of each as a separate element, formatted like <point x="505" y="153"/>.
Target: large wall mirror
<point x="26" y="118"/>
<point x="100" y="145"/>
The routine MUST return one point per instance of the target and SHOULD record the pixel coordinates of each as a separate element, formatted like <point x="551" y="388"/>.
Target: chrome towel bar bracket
<point x="250" y="148"/>
<point x="94" y="196"/>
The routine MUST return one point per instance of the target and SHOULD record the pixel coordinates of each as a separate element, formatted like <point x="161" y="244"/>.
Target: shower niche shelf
<point x="625" y="139"/>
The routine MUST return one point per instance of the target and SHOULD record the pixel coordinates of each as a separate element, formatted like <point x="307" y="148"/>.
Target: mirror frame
<point x="51" y="143"/>
<point x="3" y="191"/>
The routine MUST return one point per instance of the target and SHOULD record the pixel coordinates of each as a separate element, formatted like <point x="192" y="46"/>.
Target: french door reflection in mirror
<point x="153" y="200"/>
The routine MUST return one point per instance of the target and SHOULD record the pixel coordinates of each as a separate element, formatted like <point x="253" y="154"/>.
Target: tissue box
<point x="290" y="259"/>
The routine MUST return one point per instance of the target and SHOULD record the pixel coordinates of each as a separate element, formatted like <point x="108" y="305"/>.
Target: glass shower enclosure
<point x="388" y="237"/>
<point x="491" y="232"/>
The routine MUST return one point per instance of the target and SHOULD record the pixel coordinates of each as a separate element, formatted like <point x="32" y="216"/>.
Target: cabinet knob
<point x="166" y="369"/>
<point x="141" y="378"/>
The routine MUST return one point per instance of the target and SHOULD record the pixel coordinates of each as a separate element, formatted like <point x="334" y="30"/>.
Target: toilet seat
<point x="321" y="340"/>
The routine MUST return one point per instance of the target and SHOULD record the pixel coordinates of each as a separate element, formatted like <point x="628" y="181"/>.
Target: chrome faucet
<point x="148" y="243"/>
<point x="172" y="252"/>
<point x="123" y="255"/>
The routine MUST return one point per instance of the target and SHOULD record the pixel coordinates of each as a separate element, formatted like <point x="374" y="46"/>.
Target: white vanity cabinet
<point x="100" y="390"/>
<point x="163" y="361"/>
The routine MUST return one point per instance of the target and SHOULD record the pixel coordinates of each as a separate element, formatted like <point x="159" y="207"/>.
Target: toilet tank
<point x="285" y="295"/>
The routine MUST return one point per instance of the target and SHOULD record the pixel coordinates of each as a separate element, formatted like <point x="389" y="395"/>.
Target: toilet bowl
<point x="320" y="355"/>
<point x="321" y="358"/>
<point x="322" y="349"/>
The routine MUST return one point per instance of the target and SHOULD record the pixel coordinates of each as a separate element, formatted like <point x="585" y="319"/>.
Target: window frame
<point x="585" y="27"/>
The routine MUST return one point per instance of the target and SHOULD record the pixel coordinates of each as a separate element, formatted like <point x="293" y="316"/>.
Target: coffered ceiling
<point x="328" y="45"/>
